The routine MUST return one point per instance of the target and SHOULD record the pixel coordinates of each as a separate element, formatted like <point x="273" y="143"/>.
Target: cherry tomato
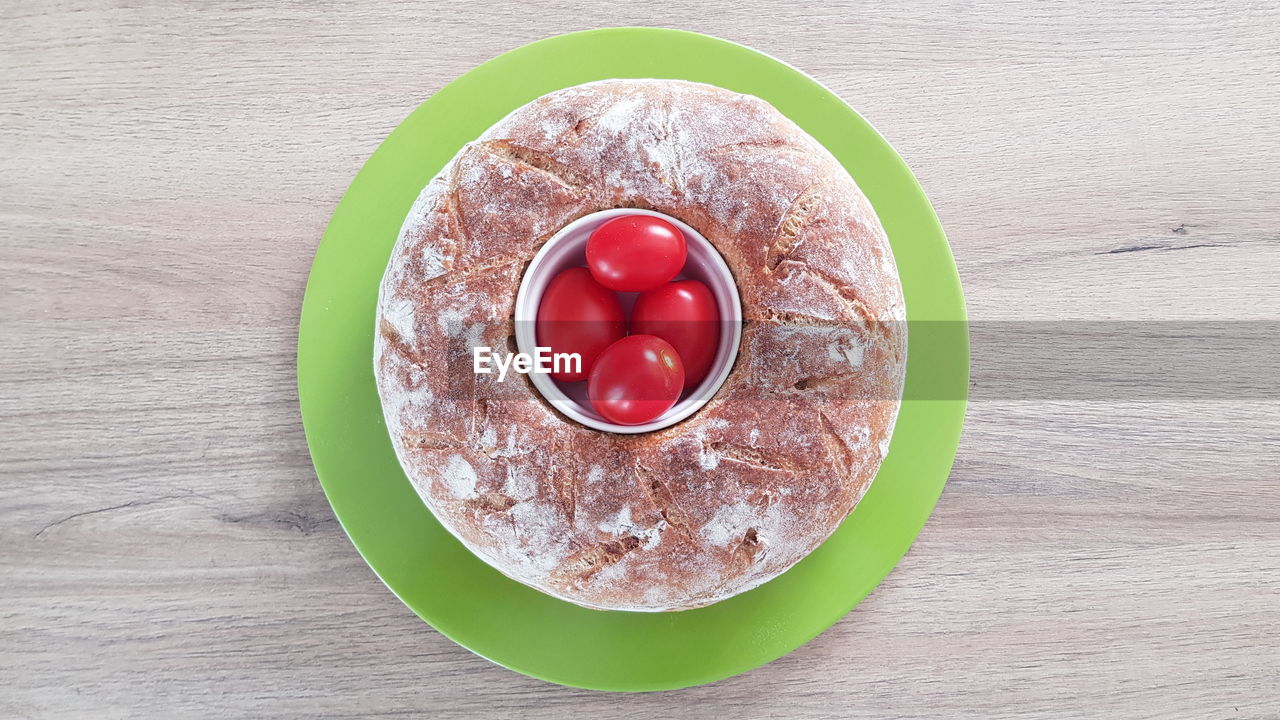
<point x="684" y="314"/>
<point x="578" y="315"/>
<point x="635" y="380"/>
<point x="634" y="253"/>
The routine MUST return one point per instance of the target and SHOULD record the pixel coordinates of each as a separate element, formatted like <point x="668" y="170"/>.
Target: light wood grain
<point x="166" y="174"/>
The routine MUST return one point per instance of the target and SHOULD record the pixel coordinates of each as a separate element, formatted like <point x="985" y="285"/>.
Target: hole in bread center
<point x="566" y="249"/>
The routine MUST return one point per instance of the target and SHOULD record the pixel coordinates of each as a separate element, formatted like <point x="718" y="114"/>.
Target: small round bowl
<point x="567" y="249"/>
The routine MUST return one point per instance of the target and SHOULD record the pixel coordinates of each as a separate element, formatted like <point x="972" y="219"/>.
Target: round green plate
<point x="519" y="627"/>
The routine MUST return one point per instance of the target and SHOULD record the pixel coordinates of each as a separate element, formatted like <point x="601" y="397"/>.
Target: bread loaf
<point x="721" y="502"/>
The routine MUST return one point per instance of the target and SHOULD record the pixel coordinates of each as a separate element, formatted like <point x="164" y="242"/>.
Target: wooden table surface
<point x="166" y="175"/>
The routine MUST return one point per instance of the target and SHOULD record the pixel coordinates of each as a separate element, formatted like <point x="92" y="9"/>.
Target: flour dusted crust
<point x="719" y="503"/>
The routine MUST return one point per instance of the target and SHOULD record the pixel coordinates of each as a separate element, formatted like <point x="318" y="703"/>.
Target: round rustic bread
<point x="707" y="508"/>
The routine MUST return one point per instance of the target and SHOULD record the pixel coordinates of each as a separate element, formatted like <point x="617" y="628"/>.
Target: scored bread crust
<point x="714" y="505"/>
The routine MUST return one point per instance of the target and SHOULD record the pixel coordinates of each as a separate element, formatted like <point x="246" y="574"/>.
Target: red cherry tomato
<point x="684" y="314"/>
<point x="577" y="315"/>
<point x="635" y="380"/>
<point x="634" y="253"/>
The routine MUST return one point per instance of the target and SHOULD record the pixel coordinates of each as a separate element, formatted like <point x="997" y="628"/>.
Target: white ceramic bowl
<point x="568" y="248"/>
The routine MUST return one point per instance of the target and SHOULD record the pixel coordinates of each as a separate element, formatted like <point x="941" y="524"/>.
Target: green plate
<point x="521" y="628"/>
